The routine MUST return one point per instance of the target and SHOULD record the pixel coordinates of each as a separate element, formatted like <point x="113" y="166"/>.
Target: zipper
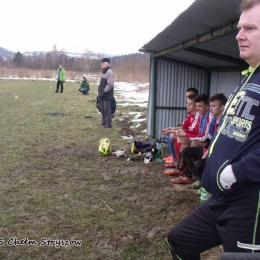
<point x="228" y="107"/>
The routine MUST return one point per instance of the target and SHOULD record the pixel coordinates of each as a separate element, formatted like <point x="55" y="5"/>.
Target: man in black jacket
<point x="231" y="215"/>
<point x="106" y="92"/>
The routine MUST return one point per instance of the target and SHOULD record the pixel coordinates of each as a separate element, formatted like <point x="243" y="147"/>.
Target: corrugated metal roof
<point x="201" y="18"/>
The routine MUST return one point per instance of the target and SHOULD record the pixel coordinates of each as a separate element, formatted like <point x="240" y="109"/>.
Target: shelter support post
<point x="152" y="99"/>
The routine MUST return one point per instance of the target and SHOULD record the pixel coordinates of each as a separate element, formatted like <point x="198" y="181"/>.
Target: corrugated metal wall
<point x="224" y="82"/>
<point x="171" y="81"/>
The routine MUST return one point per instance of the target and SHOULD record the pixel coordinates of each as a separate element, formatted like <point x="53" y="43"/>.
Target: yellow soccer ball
<point x="104" y="147"/>
<point x="103" y="139"/>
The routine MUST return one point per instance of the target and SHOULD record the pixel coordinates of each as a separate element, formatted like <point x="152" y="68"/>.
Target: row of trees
<point x="126" y="67"/>
<point x="52" y="60"/>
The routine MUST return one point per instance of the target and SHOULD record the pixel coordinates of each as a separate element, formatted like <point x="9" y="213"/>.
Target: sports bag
<point x="142" y="146"/>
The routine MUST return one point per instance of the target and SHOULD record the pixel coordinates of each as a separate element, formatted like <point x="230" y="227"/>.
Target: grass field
<point x="54" y="184"/>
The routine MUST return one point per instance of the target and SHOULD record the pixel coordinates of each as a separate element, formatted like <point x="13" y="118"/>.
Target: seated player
<point x="192" y="159"/>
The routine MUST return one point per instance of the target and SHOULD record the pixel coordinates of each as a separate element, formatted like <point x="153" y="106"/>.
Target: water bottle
<point x="158" y="145"/>
<point x="204" y="195"/>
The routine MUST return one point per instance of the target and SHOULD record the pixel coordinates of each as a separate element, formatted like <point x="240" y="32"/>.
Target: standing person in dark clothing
<point x="231" y="172"/>
<point x="106" y="92"/>
<point x="61" y="79"/>
<point x="113" y="106"/>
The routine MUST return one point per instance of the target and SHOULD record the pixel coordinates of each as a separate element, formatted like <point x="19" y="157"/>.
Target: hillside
<point x="5" y="54"/>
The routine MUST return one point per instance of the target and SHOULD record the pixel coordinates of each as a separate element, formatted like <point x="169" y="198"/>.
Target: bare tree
<point x="131" y="67"/>
<point x="63" y="57"/>
<point x="87" y="59"/>
<point x="53" y="55"/>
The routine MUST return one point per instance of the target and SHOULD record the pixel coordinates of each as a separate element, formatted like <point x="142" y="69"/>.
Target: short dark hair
<point x="202" y="98"/>
<point x="248" y="4"/>
<point x="219" y="97"/>
<point x="192" y="97"/>
<point x="194" y="90"/>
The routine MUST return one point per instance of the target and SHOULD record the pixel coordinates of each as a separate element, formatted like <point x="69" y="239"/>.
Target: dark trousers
<point x="215" y="223"/>
<point x="113" y="104"/>
<point x="105" y="106"/>
<point x="189" y="158"/>
<point x="83" y="91"/>
<point x="59" y="83"/>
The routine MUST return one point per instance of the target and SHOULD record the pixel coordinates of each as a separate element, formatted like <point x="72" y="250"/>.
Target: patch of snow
<point x="128" y="92"/>
<point x="127" y="137"/>
<point x="138" y="120"/>
<point x="130" y="104"/>
<point x="137" y="116"/>
<point x="132" y="113"/>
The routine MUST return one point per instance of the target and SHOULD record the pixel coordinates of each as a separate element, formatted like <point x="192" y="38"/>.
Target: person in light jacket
<point x="60" y="79"/>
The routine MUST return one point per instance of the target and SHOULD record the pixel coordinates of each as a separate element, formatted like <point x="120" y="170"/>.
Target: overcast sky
<point x="112" y="27"/>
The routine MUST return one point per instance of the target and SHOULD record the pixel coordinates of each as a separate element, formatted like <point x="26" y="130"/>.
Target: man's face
<point x="191" y="106"/>
<point x="216" y="108"/>
<point x="248" y="36"/>
<point x="104" y="65"/>
<point x="202" y="108"/>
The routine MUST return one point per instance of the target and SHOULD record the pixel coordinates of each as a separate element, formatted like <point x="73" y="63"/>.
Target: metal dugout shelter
<point x="198" y="49"/>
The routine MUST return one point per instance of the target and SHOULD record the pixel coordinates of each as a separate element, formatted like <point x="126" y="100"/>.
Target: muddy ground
<point x="54" y="183"/>
<point x="185" y="200"/>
